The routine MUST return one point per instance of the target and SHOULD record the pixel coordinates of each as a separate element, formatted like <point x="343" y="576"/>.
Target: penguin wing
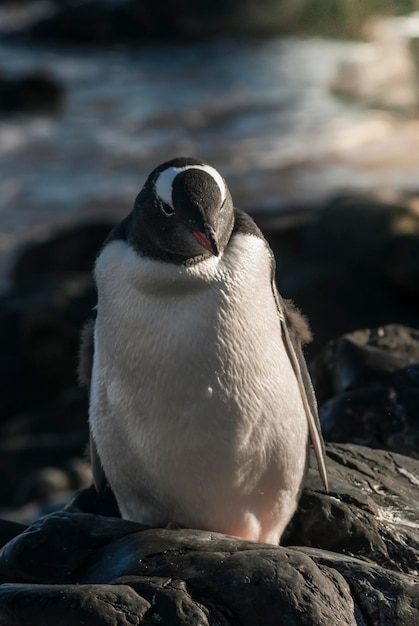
<point x="99" y="476"/>
<point x="294" y="330"/>
<point x="85" y="377"/>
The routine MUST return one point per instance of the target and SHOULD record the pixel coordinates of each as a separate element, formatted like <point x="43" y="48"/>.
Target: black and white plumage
<point x="201" y="406"/>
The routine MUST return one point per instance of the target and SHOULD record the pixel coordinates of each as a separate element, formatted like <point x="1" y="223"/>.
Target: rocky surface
<point x="349" y="557"/>
<point x="367" y="385"/>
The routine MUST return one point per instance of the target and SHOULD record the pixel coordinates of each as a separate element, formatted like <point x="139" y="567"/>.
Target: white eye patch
<point x="164" y="184"/>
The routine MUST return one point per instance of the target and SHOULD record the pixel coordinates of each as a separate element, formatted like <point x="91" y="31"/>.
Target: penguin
<point x="201" y="405"/>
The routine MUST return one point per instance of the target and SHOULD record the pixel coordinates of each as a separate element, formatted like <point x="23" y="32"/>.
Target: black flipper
<point x="296" y="357"/>
<point x="295" y="331"/>
<point x="99" y="477"/>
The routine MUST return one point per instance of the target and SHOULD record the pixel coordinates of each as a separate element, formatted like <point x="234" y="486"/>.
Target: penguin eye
<point x="167" y="209"/>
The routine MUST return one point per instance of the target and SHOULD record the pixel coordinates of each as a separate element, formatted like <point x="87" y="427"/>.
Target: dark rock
<point x="367" y="387"/>
<point x="90" y="501"/>
<point x="22" y="460"/>
<point x="69" y="251"/>
<point x="45" y="482"/>
<point x="72" y="605"/>
<point x="67" y="412"/>
<point x="378" y="417"/>
<point x="51" y="435"/>
<point x="43" y="413"/>
<point x="9" y="530"/>
<point x="40" y="318"/>
<point x="401" y="267"/>
<point x="55" y="547"/>
<point x="52" y="297"/>
<point x="35" y="92"/>
<point x="39" y="331"/>
<point x="334" y="263"/>
<point x="50" y="327"/>
<point x="371" y="511"/>
<point x="385" y="355"/>
<point x="351" y="557"/>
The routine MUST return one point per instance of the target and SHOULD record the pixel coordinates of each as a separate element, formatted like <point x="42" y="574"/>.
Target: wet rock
<point x="367" y="388"/>
<point x="350" y="557"/>
<point x="72" y="605"/>
<point x="370" y="512"/>
<point x="55" y="547"/>
<point x="35" y="92"/>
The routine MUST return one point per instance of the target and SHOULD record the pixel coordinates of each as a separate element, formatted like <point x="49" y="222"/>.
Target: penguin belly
<point x="195" y="408"/>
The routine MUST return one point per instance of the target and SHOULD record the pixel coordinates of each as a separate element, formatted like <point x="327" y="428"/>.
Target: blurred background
<point x="308" y="108"/>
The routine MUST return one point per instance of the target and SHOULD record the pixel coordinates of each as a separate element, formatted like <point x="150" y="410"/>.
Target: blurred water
<point x="261" y="112"/>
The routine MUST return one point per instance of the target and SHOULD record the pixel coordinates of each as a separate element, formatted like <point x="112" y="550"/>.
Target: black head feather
<point x="184" y="213"/>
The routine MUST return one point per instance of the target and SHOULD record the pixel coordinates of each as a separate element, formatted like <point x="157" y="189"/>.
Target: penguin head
<point x="184" y="212"/>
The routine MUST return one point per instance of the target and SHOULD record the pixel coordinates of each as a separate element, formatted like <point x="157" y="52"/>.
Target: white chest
<point x="188" y="340"/>
<point x="189" y="364"/>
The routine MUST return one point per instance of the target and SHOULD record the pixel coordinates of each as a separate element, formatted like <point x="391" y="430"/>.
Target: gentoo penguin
<point x="201" y="406"/>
